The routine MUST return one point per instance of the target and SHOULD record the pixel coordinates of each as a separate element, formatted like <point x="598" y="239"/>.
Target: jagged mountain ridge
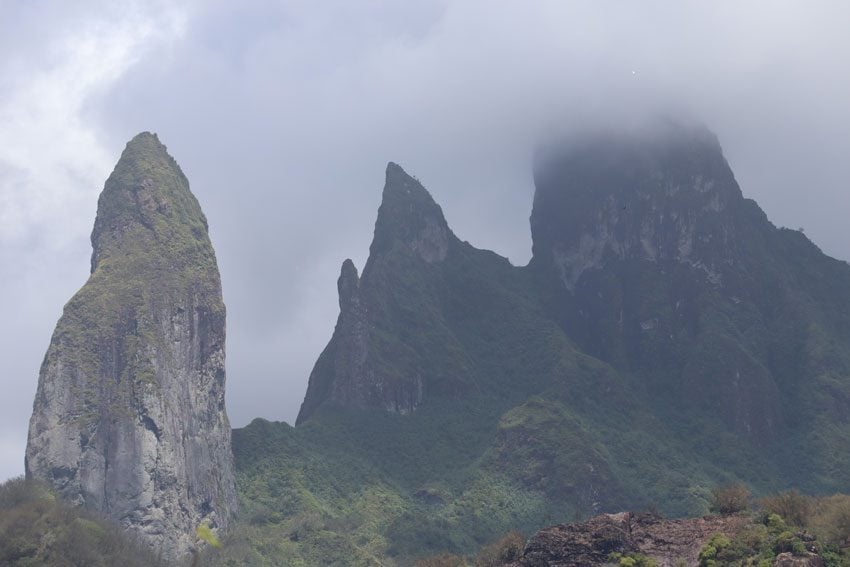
<point x="650" y="259"/>
<point x="129" y="418"/>
<point x="637" y="361"/>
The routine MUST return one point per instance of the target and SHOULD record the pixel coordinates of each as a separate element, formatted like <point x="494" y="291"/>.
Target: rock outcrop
<point x="789" y="559"/>
<point x="129" y="418"/>
<point x="669" y="542"/>
<point x="367" y="363"/>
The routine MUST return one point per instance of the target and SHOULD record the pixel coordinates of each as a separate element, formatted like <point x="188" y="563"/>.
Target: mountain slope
<point x="657" y="264"/>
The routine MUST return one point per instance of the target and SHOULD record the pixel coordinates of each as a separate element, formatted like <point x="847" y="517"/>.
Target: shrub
<point x="506" y="550"/>
<point x="775" y="524"/>
<point x="832" y="519"/>
<point x="18" y="490"/>
<point x="753" y="537"/>
<point x="793" y="507"/>
<point x="784" y="542"/>
<point x="833" y="558"/>
<point x="38" y="529"/>
<point x="631" y="560"/>
<point x="204" y="533"/>
<point x="729" y="499"/>
<point x="714" y="546"/>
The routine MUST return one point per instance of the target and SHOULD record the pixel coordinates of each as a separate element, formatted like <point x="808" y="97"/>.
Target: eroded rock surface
<point x="668" y="542"/>
<point x="366" y="364"/>
<point x="129" y="417"/>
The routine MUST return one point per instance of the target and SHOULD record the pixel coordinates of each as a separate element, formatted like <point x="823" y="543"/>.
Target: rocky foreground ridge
<point x="129" y="417"/>
<point x="669" y="542"/>
<point x="663" y="542"/>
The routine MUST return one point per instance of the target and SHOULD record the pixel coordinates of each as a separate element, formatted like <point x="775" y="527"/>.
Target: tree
<point x="730" y="499"/>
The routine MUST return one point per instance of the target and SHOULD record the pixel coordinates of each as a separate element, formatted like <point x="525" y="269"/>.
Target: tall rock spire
<point x="129" y="417"/>
<point x="362" y="365"/>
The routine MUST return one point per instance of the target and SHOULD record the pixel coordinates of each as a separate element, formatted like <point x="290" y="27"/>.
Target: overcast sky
<point x="284" y="114"/>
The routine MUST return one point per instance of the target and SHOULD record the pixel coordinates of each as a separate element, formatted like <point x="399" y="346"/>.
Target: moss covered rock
<point x="129" y="417"/>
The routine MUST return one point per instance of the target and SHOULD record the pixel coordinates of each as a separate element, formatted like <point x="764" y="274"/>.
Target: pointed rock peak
<point x="135" y="367"/>
<point x="395" y="173"/>
<point x="347" y="285"/>
<point x="146" y="140"/>
<point x="348" y="271"/>
<point x="409" y="215"/>
<point x="145" y="157"/>
<point x="147" y="200"/>
<point x="402" y="189"/>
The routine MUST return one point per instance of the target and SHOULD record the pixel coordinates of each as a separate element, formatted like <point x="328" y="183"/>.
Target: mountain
<point x="665" y="338"/>
<point x="129" y="418"/>
<point x="657" y="264"/>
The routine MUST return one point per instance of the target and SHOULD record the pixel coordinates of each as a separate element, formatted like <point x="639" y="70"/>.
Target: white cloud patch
<point x="53" y="163"/>
<point x="51" y="160"/>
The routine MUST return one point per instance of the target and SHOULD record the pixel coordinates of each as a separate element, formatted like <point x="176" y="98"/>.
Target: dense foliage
<point x="787" y="523"/>
<point x="36" y="529"/>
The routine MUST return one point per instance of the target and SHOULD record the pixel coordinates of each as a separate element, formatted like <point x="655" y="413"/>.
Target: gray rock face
<point x="129" y="417"/>
<point x="661" y="197"/>
<point x="368" y="362"/>
<point x="667" y="542"/>
<point x="651" y="242"/>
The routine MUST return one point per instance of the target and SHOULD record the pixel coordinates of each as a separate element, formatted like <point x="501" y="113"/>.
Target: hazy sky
<point x="284" y="114"/>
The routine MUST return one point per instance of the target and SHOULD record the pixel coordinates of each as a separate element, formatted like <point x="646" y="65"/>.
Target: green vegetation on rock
<point x="129" y="418"/>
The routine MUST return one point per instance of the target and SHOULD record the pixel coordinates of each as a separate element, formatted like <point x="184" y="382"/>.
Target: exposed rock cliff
<point x="665" y="195"/>
<point x="129" y="417"/>
<point x="369" y="361"/>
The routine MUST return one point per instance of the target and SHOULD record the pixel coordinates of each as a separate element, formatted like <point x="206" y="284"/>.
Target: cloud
<point x="53" y="162"/>
<point x="51" y="158"/>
